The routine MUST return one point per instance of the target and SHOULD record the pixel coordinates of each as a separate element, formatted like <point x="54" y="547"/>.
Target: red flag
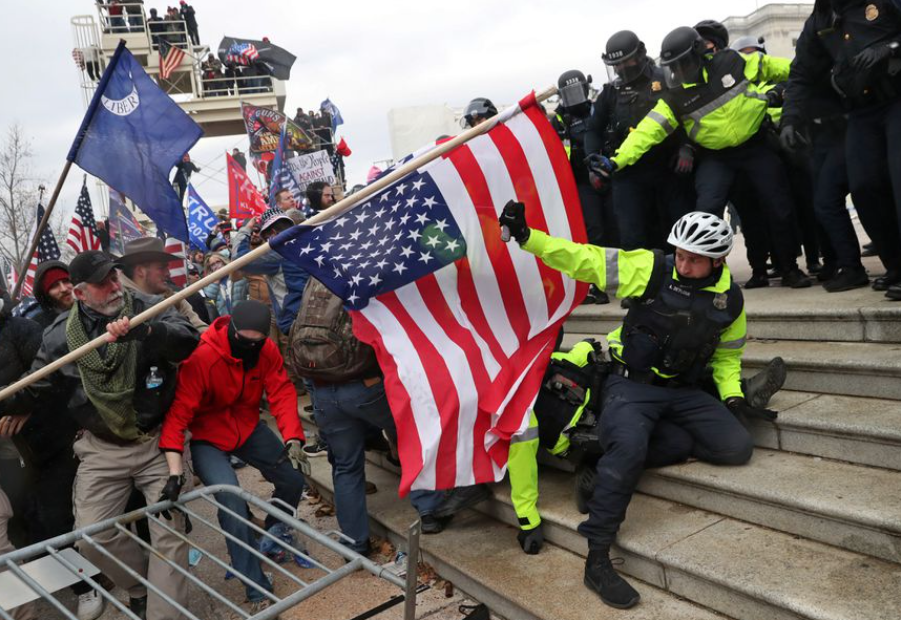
<point x="244" y="199"/>
<point x="178" y="272"/>
<point x="343" y="149"/>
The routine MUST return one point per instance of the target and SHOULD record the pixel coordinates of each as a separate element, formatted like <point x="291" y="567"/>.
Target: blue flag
<point x="281" y="177"/>
<point x="335" y="113"/>
<point x="132" y="136"/>
<point x="201" y="219"/>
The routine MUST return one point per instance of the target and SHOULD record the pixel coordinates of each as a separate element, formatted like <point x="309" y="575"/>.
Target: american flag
<point x="47" y="249"/>
<point x="83" y="234"/>
<point x="170" y="58"/>
<point x="242" y="53"/>
<point x="462" y="323"/>
<point x="178" y="272"/>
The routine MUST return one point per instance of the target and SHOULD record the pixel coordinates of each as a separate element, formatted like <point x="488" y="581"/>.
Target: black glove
<point x="788" y="138"/>
<point x="685" y="160"/>
<point x="743" y="411"/>
<point x="171" y="492"/>
<point x="513" y="219"/>
<point x="870" y="57"/>
<point x="774" y="98"/>
<point x="531" y="541"/>
<point x="600" y="165"/>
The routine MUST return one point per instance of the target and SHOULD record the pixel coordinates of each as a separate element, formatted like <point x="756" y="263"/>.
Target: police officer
<point x="687" y="315"/>
<point x="477" y="111"/>
<point x="718" y="100"/>
<point x="571" y="124"/>
<point x="854" y="47"/>
<point x="648" y="197"/>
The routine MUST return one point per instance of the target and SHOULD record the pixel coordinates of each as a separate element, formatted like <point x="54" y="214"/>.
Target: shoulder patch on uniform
<point x="728" y="81"/>
<point x="720" y="301"/>
<point x="871" y="12"/>
<point x="656" y="86"/>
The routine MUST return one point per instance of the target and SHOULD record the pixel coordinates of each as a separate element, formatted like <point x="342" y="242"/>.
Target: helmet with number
<point x="477" y="110"/>
<point x="751" y="43"/>
<point x="681" y="56"/>
<point x="713" y="31"/>
<point x="702" y="233"/>
<point x="573" y="87"/>
<point x="626" y="57"/>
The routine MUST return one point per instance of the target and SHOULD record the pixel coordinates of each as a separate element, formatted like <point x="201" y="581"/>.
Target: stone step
<point x="847" y="368"/>
<point x="850" y="506"/>
<point x="736" y="568"/>
<point x="861" y="315"/>
<point x="480" y="556"/>
<point x="866" y="431"/>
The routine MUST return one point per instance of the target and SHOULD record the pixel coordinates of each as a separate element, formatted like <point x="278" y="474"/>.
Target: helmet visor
<point x="683" y="70"/>
<point x="573" y="95"/>
<point x="628" y="70"/>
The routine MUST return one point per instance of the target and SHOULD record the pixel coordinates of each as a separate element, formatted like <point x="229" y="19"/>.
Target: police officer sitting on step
<point x="718" y="100"/>
<point x="687" y="315"/>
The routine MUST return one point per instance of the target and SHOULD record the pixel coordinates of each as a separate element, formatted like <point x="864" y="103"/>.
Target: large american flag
<point x="170" y="58"/>
<point x="462" y="323"/>
<point x="83" y="234"/>
<point x="48" y="249"/>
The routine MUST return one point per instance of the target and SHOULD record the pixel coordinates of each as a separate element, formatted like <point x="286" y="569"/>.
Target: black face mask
<point x="698" y="283"/>
<point x="244" y="349"/>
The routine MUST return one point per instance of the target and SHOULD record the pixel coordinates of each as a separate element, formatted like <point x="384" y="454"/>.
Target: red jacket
<point x="220" y="403"/>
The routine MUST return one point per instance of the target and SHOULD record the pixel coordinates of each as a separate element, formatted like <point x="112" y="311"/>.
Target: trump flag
<point x="132" y="136"/>
<point x="462" y="323"/>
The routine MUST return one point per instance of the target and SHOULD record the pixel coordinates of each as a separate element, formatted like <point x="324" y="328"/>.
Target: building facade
<point x="779" y="25"/>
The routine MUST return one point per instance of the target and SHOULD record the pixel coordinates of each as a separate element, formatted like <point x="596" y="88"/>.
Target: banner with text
<point x="312" y="167"/>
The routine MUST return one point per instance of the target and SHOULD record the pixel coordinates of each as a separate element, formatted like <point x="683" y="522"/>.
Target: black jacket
<point x="172" y="340"/>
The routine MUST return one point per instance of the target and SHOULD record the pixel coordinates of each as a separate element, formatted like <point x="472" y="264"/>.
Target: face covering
<point x="248" y="315"/>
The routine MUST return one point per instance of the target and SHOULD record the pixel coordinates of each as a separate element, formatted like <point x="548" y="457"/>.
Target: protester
<point x="239" y="158"/>
<point x="52" y="290"/>
<point x="213" y="82"/>
<point x="187" y="14"/>
<point x="27" y="611"/>
<point x="145" y="268"/>
<point x="219" y="395"/>
<point x="120" y="411"/>
<point x="284" y="200"/>
<point x="156" y="27"/>
<point x="321" y="195"/>
<point x="183" y="171"/>
<point x="217" y="292"/>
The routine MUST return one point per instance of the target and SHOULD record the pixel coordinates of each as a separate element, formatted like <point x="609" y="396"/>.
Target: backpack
<point x="321" y="344"/>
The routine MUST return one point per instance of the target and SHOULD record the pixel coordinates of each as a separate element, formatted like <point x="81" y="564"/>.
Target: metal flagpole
<point x="235" y="265"/>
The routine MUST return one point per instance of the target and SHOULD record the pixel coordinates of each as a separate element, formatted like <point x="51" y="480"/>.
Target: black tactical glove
<point x="685" y="160"/>
<point x="788" y="138"/>
<point x="136" y="333"/>
<point x="531" y="541"/>
<point x="872" y="56"/>
<point x="743" y="411"/>
<point x="774" y="98"/>
<point x="600" y="165"/>
<point x="170" y="493"/>
<point x="513" y="222"/>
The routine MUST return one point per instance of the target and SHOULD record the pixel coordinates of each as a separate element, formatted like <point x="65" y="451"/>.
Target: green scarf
<point x="109" y="380"/>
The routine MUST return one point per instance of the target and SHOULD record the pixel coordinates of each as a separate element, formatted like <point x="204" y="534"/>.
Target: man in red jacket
<point x="218" y="398"/>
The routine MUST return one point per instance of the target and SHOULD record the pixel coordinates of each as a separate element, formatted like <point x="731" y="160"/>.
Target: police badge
<point x="720" y="301"/>
<point x="728" y="80"/>
<point x="871" y="12"/>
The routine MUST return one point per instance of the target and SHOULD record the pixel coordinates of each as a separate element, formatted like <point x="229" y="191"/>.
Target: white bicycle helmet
<point x="702" y="233"/>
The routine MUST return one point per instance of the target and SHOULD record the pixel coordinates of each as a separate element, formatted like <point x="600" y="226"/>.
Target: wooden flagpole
<point x="333" y="211"/>
<point x="39" y="230"/>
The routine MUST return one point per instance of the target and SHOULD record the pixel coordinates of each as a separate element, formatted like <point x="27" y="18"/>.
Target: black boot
<point x="891" y="277"/>
<point x="138" y="606"/>
<point x="585" y="476"/>
<point x="827" y="272"/>
<point x="846" y="279"/>
<point x="603" y="579"/>
<point x="795" y="278"/>
<point x="758" y="280"/>
<point x="760" y="388"/>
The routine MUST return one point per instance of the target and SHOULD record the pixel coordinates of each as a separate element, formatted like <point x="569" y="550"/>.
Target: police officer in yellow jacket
<point x="720" y="102"/>
<point x="688" y="314"/>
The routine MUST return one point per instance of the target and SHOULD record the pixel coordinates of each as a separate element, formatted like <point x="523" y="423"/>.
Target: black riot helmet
<point x="479" y="109"/>
<point x="573" y="88"/>
<point x="714" y="32"/>
<point x="626" y="57"/>
<point x="681" y="56"/>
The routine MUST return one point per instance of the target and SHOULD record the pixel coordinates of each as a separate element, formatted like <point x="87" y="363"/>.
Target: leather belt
<point x="645" y="378"/>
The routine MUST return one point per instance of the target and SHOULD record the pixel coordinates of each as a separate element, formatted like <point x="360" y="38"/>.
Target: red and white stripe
<point x="171" y="61"/>
<point x="178" y="271"/>
<point x="464" y="350"/>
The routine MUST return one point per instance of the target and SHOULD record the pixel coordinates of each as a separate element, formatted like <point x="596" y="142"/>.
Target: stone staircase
<point x="810" y="529"/>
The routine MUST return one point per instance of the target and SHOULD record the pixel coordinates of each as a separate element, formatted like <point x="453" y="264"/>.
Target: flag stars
<point x="385" y="197"/>
<point x="401" y="189"/>
<point x="366" y="246"/>
<point x="404" y="219"/>
<point x="374" y="280"/>
<point x="362" y="217"/>
<point x="356" y="279"/>
<point x="414" y="235"/>
<point x="327" y="246"/>
<point x="384" y="240"/>
<point x="355" y="235"/>
<point x="306" y="250"/>
<point x="406" y="251"/>
<point x="430" y="202"/>
<point x="431" y="242"/>
<point x="373" y="230"/>
<point x="425" y="257"/>
<point x="381" y="264"/>
<point x="353" y="298"/>
<point x="399" y="268"/>
<point x="422" y="219"/>
<point x="379" y="213"/>
<point x="320" y="260"/>
<point x="395" y="207"/>
<point x="417" y="184"/>
<point x="441" y="225"/>
<point x="452" y="245"/>
<point x="411" y="201"/>
<point x="341" y="221"/>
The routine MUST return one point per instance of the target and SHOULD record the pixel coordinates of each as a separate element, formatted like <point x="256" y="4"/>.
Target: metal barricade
<point x="60" y="559"/>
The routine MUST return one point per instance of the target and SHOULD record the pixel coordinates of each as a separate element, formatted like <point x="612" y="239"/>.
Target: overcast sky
<point x="368" y="57"/>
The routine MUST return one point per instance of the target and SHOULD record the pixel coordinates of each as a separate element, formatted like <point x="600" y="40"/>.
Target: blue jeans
<point x="263" y="451"/>
<point x="344" y="414"/>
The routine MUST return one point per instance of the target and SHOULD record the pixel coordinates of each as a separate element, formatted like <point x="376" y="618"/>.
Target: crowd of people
<point x="657" y="159"/>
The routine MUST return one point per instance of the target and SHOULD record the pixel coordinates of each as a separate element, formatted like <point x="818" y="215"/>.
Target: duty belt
<point x="646" y="378"/>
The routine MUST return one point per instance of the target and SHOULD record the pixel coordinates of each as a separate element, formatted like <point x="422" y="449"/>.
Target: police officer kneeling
<point x="687" y="315"/>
